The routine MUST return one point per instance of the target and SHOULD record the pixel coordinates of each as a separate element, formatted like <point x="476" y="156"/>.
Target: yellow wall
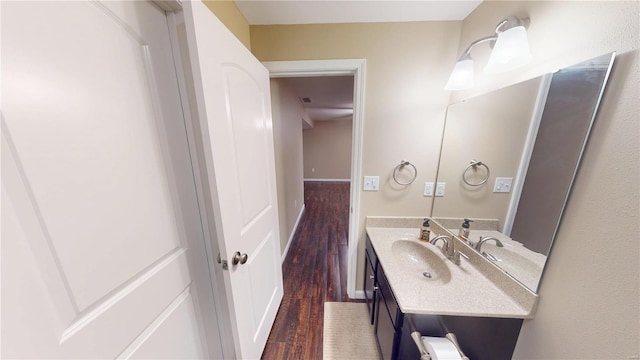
<point x="227" y="12"/>
<point x="287" y="142"/>
<point x="491" y="128"/>
<point x="327" y="150"/>
<point x="407" y="68"/>
<point x="589" y="307"/>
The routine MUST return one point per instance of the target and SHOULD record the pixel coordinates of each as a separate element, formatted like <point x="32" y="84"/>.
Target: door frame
<point x="356" y="68"/>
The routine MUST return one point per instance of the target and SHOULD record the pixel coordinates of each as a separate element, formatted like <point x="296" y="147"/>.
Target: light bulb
<point x="510" y="51"/>
<point x="462" y="75"/>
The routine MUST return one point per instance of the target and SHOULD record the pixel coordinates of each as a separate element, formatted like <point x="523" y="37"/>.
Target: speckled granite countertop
<point x="470" y="289"/>
<point x="523" y="264"/>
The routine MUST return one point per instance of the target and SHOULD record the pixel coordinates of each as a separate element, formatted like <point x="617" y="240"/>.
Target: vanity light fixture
<point x="510" y="51"/>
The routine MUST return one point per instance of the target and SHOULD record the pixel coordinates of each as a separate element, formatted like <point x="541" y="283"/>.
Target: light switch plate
<point x="428" y="189"/>
<point x="502" y="185"/>
<point x="371" y="183"/>
<point x="440" y="187"/>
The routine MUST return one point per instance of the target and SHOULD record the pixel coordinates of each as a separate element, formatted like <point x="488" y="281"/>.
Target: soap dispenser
<point x="425" y="233"/>
<point x="464" y="230"/>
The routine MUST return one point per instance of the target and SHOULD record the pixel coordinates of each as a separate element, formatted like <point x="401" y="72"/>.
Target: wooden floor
<point x="315" y="271"/>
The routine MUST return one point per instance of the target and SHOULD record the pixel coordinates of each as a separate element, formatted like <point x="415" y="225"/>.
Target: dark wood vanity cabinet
<point x="384" y="312"/>
<point x="479" y="337"/>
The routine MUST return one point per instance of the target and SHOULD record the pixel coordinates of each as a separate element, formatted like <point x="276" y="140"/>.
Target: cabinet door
<point x="385" y="331"/>
<point x="369" y="286"/>
<point x="388" y="299"/>
<point x="389" y="318"/>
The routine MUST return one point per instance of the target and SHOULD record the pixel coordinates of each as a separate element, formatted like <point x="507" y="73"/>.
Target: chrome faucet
<point x="448" y="249"/>
<point x="485" y="239"/>
<point x="446" y="241"/>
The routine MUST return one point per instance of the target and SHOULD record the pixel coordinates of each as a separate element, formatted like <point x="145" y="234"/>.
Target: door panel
<point x="237" y="141"/>
<point x="264" y="279"/>
<point x="102" y="251"/>
<point x="248" y="125"/>
<point x="129" y="308"/>
<point x="158" y="341"/>
<point x="57" y="161"/>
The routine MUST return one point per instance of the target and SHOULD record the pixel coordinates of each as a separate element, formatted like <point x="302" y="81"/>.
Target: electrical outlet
<point x="371" y="183"/>
<point x="440" y="187"/>
<point x="428" y="189"/>
<point x="503" y="185"/>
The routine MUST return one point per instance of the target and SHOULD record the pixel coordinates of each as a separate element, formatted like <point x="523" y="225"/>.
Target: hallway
<point x="315" y="271"/>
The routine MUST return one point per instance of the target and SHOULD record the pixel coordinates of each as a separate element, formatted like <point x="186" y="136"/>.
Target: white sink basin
<point x="418" y="260"/>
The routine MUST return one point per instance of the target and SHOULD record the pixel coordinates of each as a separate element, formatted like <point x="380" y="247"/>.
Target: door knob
<point x="239" y="258"/>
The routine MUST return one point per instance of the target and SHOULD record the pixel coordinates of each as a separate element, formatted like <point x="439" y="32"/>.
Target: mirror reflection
<point x="508" y="161"/>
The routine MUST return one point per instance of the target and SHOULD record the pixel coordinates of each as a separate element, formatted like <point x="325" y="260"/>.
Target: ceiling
<point x="269" y="12"/>
<point x="332" y="96"/>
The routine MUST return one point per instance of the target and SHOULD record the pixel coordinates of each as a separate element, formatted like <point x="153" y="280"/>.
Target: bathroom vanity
<point x="514" y="187"/>
<point x="405" y="277"/>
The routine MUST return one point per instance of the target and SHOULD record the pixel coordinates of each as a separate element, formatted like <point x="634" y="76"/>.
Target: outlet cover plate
<point x="440" y="187"/>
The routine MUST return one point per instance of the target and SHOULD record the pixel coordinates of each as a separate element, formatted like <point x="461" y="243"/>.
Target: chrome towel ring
<point x="404" y="163"/>
<point x="474" y="165"/>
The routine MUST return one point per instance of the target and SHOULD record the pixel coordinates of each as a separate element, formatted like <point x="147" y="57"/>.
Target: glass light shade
<point x="510" y="51"/>
<point x="462" y="75"/>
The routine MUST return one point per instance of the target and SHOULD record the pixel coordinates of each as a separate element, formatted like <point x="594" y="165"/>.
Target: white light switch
<point x="503" y="185"/>
<point x="428" y="189"/>
<point x="371" y="183"/>
<point x="440" y="187"/>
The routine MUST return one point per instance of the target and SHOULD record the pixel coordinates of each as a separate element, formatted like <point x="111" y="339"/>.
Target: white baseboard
<point x="359" y="294"/>
<point x="293" y="232"/>
<point x="332" y="180"/>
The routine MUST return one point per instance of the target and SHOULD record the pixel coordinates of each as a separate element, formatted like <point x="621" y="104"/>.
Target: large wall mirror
<point x="508" y="161"/>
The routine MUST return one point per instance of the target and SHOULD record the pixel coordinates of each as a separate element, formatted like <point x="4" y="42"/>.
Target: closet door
<point x="102" y="246"/>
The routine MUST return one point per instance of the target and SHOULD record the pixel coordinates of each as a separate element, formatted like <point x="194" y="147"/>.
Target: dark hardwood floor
<point x="315" y="271"/>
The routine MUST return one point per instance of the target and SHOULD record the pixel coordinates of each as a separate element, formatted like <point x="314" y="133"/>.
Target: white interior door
<point x="237" y="141"/>
<point x="102" y="246"/>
